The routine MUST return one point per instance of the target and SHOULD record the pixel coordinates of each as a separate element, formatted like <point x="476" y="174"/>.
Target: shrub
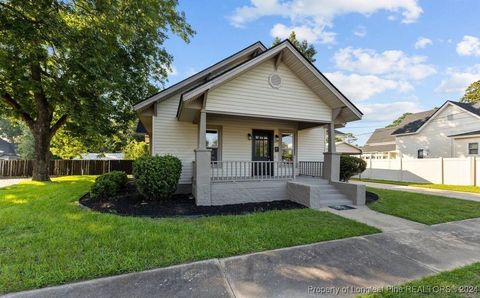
<point x="157" y="176"/>
<point x="108" y="185"/>
<point x="351" y="166"/>
<point x="135" y="149"/>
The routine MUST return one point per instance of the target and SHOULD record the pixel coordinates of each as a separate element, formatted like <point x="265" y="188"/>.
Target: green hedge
<point x="157" y="176"/>
<point x="351" y="166"/>
<point x="108" y="185"/>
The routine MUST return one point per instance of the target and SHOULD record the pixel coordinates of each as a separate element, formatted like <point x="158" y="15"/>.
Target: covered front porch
<point x="241" y="159"/>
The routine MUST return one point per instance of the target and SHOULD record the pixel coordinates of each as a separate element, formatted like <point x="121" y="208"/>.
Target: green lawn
<point x="463" y="188"/>
<point x="423" y="208"/>
<point x="463" y="282"/>
<point x="46" y="239"/>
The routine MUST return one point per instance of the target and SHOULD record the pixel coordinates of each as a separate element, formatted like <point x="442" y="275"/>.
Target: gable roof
<point x="413" y="122"/>
<point x="382" y="135"/>
<point x="297" y="62"/>
<point x="419" y="120"/>
<point x="198" y="78"/>
<point x="378" y="148"/>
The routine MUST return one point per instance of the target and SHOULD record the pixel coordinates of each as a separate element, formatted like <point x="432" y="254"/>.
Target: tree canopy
<point x="472" y="93"/>
<point x="398" y="120"/>
<point x="306" y="49"/>
<point x="81" y="63"/>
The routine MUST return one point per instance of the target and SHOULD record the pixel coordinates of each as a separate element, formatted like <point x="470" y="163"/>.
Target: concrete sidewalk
<point x="430" y="191"/>
<point x="346" y="267"/>
<point x="382" y="221"/>
<point x="12" y="181"/>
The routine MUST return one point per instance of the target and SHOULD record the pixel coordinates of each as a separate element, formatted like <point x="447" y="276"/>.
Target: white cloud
<point x="360" y="31"/>
<point x="469" y="46"/>
<point x="312" y="35"/>
<point x="319" y="14"/>
<point x="172" y="71"/>
<point x="362" y="87"/>
<point x="393" y="64"/>
<point x="423" y="42"/>
<point x="459" y="80"/>
<point x="382" y="112"/>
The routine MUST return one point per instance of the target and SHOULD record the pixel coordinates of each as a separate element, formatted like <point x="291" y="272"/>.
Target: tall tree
<point x="398" y="120"/>
<point x="472" y="93"/>
<point x="306" y="49"/>
<point x="81" y="63"/>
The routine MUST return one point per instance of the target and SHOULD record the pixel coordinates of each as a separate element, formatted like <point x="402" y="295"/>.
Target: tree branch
<point x="18" y="109"/>
<point x="60" y="122"/>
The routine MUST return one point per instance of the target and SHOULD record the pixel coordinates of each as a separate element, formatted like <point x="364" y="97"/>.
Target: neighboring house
<point x="7" y="151"/>
<point x="343" y="146"/>
<point x="449" y="131"/>
<point x="248" y="126"/>
<point x="101" y="156"/>
<point x="380" y="145"/>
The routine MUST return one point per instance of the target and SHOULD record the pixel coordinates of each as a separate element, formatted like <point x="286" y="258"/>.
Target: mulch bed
<point x="371" y="197"/>
<point x="131" y="203"/>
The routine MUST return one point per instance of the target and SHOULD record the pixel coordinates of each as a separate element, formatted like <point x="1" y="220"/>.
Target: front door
<point x="262" y="151"/>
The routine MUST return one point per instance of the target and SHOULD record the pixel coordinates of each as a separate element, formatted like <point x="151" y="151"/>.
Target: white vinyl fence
<point x="454" y="171"/>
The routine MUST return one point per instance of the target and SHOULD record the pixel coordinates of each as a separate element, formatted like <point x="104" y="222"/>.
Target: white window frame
<point x="219" y="146"/>
<point x="468" y="148"/>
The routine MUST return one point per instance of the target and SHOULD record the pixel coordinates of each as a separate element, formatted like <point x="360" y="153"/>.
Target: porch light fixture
<point x="277" y="138"/>
<point x="249" y="136"/>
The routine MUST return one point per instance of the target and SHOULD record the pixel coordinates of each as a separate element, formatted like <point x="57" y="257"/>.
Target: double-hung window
<point x="213" y="139"/>
<point x="472" y="148"/>
<point x="420" y="153"/>
<point x="287" y="146"/>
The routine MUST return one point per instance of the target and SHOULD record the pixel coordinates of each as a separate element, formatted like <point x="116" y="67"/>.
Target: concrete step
<point x="335" y="202"/>
<point x="333" y="196"/>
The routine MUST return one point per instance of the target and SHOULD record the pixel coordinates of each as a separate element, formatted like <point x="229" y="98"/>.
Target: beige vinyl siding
<point x="434" y="136"/>
<point x="171" y="136"/>
<point x="235" y="144"/>
<point x="311" y="144"/>
<point x="460" y="146"/>
<point x="250" y="93"/>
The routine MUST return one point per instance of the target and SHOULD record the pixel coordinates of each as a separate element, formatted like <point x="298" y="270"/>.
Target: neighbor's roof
<point x="413" y="122"/>
<point x="471" y="107"/>
<point x="140" y="128"/>
<point x="7" y="148"/>
<point x="382" y="135"/>
<point x="466" y="134"/>
<point x="378" y="148"/>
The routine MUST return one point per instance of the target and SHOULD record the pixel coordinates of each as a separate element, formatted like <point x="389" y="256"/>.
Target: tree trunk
<point x="41" y="164"/>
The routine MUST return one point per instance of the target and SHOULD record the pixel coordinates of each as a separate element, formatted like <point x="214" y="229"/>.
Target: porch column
<point x="331" y="159"/>
<point x="202" y="173"/>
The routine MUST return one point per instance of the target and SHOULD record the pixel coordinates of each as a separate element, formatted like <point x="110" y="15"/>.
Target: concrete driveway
<point x="344" y="267"/>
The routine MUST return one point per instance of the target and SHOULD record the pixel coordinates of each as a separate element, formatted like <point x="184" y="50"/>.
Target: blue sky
<point x="387" y="56"/>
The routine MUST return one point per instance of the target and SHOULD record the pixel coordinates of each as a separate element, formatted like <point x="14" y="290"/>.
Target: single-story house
<point x="449" y="131"/>
<point x="7" y="150"/>
<point x="253" y="127"/>
<point x="382" y="143"/>
<point x="343" y="146"/>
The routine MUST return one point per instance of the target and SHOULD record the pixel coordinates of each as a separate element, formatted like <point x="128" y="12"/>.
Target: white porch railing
<point x="252" y="170"/>
<point x="310" y="168"/>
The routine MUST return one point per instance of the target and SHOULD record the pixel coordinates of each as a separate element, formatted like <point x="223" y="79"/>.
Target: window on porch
<point x="212" y="139"/>
<point x="287" y="146"/>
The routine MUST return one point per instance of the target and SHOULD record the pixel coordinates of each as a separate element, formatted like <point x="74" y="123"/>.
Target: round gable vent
<point x="275" y="80"/>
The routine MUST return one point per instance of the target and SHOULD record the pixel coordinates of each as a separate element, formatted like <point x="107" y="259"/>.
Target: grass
<point x="423" y="208"/>
<point x="462" y="188"/>
<point x="46" y="239"/>
<point x="462" y="282"/>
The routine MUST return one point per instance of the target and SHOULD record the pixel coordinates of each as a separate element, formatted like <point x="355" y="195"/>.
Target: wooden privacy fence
<point x="24" y="168"/>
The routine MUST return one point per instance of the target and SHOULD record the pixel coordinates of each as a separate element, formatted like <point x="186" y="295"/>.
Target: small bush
<point x="108" y="185"/>
<point x="157" y="176"/>
<point x="351" y="166"/>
